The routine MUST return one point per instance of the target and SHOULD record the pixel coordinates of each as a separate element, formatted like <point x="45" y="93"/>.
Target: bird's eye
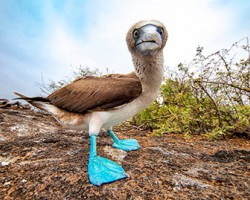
<point x="136" y="34"/>
<point x="160" y="30"/>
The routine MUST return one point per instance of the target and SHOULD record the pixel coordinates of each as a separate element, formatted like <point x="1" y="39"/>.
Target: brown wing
<point x="96" y="93"/>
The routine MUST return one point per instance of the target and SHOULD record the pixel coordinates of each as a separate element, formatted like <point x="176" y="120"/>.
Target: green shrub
<point x="209" y="96"/>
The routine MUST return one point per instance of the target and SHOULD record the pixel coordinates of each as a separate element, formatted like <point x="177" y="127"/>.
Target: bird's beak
<point x="149" y="40"/>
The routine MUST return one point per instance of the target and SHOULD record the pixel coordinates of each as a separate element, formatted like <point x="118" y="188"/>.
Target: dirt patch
<point x="41" y="160"/>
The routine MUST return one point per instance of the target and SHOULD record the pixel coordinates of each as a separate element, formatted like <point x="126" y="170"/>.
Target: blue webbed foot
<point x="126" y="145"/>
<point x="102" y="170"/>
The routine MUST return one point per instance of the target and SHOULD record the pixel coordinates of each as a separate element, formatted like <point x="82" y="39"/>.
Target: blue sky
<point x="50" y="39"/>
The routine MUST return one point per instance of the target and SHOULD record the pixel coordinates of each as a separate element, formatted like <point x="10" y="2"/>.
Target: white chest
<point x="116" y="116"/>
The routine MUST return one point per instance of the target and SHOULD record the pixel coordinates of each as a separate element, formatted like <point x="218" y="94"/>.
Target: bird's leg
<point x="102" y="170"/>
<point x="126" y="145"/>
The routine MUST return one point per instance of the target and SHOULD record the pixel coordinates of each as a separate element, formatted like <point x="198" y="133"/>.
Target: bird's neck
<point x="150" y="72"/>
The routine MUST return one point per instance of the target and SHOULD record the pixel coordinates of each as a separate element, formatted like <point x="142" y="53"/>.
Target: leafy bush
<point x="210" y="95"/>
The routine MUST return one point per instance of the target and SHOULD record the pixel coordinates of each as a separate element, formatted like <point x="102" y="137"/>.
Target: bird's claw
<point x="126" y="145"/>
<point x="102" y="170"/>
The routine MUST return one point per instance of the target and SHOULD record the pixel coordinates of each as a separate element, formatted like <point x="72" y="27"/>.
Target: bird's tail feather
<point x="39" y="102"/>
<point x="28" y="99"/>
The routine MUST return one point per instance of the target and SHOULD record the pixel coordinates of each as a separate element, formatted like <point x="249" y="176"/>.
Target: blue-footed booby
<point x="95" y="103"/>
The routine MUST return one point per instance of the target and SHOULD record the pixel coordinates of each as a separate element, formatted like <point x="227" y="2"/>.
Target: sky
<point x="42" y="40"/>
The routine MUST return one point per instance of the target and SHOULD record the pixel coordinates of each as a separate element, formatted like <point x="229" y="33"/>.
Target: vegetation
<point x="210" y="95"/>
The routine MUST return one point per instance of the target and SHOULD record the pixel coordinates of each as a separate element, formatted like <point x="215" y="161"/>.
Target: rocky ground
<point x="41" y="160"/>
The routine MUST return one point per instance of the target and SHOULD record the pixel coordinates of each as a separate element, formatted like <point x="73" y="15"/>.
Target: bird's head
<point x="146" y="38"/>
